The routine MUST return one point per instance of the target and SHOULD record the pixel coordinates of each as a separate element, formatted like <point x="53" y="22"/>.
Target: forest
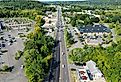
<point x="23" y="8"/>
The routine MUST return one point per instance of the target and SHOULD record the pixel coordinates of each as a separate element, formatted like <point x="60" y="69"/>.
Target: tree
<point x="112" y="25"/>
<point x="18" y="54"/>
<point x="95" y="19"/>
<point x="118" y="32"/>
<point x="73" y="22"/>
<point x="5" y="67"/>
<point x="87" y="21"/>
<point x="107" y="59"/>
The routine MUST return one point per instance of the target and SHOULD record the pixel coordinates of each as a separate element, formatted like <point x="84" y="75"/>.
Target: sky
<point x="60" y="0"/>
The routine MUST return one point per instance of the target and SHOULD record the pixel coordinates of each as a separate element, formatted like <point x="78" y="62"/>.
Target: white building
<point x="96" y="73"/>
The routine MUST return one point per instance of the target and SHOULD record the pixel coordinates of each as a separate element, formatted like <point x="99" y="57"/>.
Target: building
<point x="90" y="73"/>
<point x="95" y="72"/>
<point x="50" y="22"/>
<point x="95" y="29"/>
<point x="93" y="34"/>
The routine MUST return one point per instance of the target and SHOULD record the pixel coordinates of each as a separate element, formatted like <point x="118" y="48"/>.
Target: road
<point x="64" y="75"/>
<point x="57" y="72"/>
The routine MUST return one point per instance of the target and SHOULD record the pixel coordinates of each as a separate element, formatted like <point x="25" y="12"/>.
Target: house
<point x="95" y="72"/>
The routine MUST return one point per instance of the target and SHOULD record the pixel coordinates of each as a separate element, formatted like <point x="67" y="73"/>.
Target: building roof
<point x="94" y="28"/>
<point x="92" y="67"/>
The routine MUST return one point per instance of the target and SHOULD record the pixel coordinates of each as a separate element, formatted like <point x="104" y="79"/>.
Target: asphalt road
<point x="64" y="75"/>
<point x="57" y="72"/>
<point x="65" y="71"/>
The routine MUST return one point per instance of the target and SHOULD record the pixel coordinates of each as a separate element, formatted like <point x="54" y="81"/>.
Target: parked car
<point x="22" y="66"/>
<point x="63" y="53"/>
<point x="9" y="35"/>
<point x="1" y="53"/>
<point x="3" y="45"/>
<point x="9" y="43"/>
<point x="67" y="49"/>
<point x="2" y="62"/>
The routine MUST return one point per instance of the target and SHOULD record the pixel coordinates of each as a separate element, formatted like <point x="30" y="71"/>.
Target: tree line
<point x="21" y="8"/>
<point x="37" y="53"/>
<point x="81" y="19"/>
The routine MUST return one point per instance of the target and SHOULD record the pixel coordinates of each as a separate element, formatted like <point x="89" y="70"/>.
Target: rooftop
<point x="94" y="28"/>
<point x="92" y="67"/>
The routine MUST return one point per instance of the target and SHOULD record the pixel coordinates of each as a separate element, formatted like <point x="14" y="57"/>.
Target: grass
<point x="70" y="61"/>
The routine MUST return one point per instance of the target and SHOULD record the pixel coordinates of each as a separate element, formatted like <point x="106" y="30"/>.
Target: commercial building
<point x="95" y="29"/>
<point x="93" y="34"/>
<point x="90" y="73"/>
<point x="95" y="72"/>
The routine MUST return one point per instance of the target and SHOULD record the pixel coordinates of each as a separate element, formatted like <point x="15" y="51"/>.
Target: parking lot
<point x="78" y="43"/>
<point x="10" y="43"/>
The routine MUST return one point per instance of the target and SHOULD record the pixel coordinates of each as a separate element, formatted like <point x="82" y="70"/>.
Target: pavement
<point x="73" y="66"/>
<point x="78" y="44"/>
<point x="17" y="74"/>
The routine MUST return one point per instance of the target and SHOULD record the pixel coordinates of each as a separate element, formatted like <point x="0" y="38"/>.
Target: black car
<point x="3" y="45"/>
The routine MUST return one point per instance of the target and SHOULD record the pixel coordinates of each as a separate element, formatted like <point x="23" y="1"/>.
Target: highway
<point x="57" y="72"/>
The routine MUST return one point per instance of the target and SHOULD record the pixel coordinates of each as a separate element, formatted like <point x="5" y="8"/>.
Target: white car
<point x="63" y="53"/>
<point x="22" y="66"/>
<point x="9" y="44"/>
<point x="63" y="66"/>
